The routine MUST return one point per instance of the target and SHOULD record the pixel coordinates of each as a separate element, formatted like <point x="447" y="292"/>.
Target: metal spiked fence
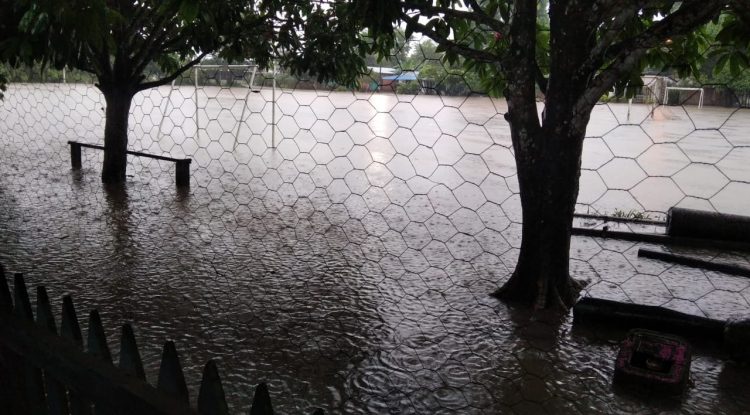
<point x="50" y="374"/>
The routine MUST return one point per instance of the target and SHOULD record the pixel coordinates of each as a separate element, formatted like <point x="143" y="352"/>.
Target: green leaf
<point x="721" y="63"/>
<point x="189" y="10"/>
<point x="28" y="19"/>
<point x="735" y="65"/>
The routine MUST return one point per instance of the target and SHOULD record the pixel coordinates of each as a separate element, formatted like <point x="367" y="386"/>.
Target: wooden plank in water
<point x="687" y="261"/>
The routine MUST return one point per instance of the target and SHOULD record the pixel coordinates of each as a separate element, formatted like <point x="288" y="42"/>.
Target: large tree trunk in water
<point x="116" y="135"/>
<point x="548" y="154"/>
<point x="548" y="172"/>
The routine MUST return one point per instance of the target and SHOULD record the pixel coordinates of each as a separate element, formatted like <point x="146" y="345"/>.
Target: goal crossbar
<point x="681" y="88"/>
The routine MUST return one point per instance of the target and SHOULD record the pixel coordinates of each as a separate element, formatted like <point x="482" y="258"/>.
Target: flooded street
<point x="350" y="266"/>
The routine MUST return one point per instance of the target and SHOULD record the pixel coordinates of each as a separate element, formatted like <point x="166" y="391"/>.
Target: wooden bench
<point x="182" y="166"/>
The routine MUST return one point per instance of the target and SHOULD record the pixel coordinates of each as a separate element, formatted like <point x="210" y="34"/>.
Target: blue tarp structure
<point x="404" y="76"/>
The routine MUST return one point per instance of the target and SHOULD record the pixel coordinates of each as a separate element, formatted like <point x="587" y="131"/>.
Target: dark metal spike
<point x="171" y="378"/>
<point x="44" y="316"/>
<point x="97" y="340"/>
<point x="69" y="327"/>
<point x="211" y="399"/>
<point x="261" y="401"/>
<point x="21" y="298"/>
<point x="6" y="303"/>
<point x="130" y="357"/>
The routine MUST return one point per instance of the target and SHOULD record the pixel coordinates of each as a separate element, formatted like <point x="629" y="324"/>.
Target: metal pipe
<point x="164" y="113"/>
<point x="244" y="107"/>
<point x="197" y="124"/>
<point x="220" y="66"/>
<point x="273" y="109"/>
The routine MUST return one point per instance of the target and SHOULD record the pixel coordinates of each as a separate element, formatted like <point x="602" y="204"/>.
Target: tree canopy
<point x="624" y="37"/>
<point x="117" y="40"/>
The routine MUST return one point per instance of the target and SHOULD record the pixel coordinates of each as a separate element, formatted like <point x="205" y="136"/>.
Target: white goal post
<point x="247" y="69"/>
<point x="679" y="88"/>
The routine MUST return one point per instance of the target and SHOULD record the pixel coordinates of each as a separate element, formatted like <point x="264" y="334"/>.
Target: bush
<point x="408" y="88"/>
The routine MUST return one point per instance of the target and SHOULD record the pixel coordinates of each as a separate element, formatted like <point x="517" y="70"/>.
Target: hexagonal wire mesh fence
<point x="342" y="244"/>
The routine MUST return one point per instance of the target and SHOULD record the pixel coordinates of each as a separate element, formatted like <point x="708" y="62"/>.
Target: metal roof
<point x="404" y="76"/>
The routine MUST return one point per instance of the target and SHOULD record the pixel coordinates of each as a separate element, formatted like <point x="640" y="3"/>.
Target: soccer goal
<point x="692" y="91"/>
<point x="224" y="83"/>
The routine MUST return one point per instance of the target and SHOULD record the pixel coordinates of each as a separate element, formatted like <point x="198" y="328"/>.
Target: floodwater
<point x="350" y="266"/>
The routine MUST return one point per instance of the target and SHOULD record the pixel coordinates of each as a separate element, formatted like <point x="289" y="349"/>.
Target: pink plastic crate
<point x="654" y="361"/>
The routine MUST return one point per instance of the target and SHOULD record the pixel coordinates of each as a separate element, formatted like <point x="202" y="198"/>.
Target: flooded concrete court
<point x="350" y="265"/>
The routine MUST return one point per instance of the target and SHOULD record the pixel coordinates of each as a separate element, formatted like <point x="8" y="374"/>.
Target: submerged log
<point x="691" y="223"/>
<point x="628" y="315"/>
<point x="734" y="334"/>
<point x="737" y="339"/>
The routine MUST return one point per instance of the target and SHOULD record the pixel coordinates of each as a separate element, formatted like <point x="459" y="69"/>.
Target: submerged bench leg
<point x="182" y="173"/>
<point x="75" y="155"/>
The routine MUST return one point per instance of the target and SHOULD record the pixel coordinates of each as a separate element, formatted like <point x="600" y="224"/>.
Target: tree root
<point x="540" y="293"/>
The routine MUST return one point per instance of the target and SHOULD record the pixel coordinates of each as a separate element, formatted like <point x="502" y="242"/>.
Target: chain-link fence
<point x="341" y="244"/>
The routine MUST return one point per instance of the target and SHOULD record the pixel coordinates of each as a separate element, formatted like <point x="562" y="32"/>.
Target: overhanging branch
<point x="429" y="10"/>
<point x="145" y="48"/>
<point x="625" y="55"/>
<point x="448" y="44"/>
<point x="613" y="29"/>
<point x="173" y="76"/>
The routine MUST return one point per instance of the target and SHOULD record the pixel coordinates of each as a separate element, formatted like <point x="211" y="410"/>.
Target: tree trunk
<point x="116" y="134"/>
<point x="548" y="154"/>
<point x="548" y="170"/>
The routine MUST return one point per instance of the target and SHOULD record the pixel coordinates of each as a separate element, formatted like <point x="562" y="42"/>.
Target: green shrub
<point x="408" y="88"/>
